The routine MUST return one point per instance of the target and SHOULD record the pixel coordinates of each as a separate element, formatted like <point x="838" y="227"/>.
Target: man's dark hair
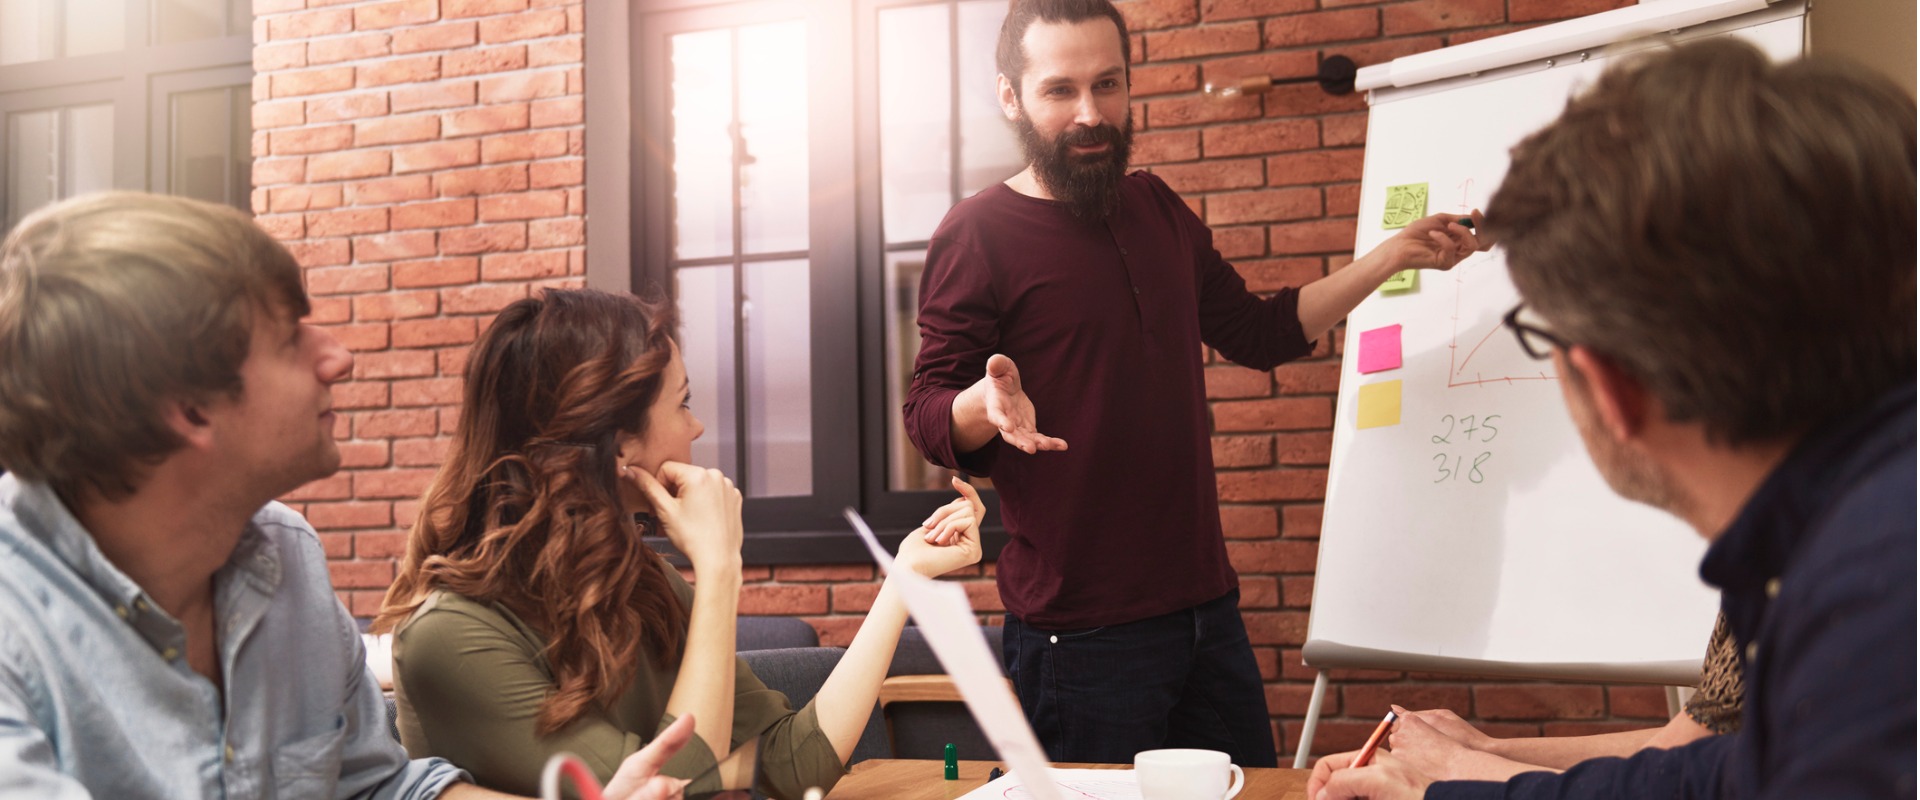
<point x="1011" y="58"/>
<point x="1737" y="235"/>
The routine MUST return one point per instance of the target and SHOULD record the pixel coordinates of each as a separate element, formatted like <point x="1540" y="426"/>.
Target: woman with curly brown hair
<point x="529" y="616"/>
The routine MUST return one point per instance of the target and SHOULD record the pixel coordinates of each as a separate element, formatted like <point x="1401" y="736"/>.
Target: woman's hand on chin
<point x="949" y="539"/>
<point x="699" y="511"/>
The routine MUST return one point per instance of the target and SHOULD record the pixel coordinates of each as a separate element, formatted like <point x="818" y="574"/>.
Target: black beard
<point x="1089" y="186"/>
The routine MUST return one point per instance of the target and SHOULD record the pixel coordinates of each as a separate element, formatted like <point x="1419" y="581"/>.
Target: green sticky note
<point x="1379" y="405"/>
<point x="1404" y="205"/>
<point x="1405" y="280"/>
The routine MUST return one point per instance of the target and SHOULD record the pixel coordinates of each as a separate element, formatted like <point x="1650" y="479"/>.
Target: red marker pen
<point x="1373" y="742"/>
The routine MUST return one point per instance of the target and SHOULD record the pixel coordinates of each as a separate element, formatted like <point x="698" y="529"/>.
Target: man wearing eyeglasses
<point x="1717" y="254"/>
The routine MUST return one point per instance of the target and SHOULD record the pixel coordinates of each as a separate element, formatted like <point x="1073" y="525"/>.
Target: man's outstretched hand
<point x="1438" y="241"/>
<point x="1009" y="409"/>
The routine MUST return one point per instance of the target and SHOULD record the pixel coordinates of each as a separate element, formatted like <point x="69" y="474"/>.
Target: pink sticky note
<point x="1380" y="349"/>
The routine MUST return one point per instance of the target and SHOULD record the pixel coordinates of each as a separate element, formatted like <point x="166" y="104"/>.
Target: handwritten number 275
<point x="1486" y="427"/>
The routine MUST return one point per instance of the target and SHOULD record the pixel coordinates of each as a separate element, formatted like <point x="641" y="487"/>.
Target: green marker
<point x="953" y="763"/>
<point x="1467" y="221"/>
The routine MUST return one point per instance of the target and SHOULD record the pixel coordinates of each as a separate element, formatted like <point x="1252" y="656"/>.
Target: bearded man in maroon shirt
<point x="1123" y="631"/>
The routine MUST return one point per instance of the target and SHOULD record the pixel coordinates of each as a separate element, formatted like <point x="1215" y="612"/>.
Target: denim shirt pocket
<point x="310" y="767"/>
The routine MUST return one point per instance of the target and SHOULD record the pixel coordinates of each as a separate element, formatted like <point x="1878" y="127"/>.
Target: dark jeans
<point x="1185" y="679"/>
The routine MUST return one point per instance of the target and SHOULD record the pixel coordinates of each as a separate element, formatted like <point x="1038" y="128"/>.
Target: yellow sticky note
<point x="1405" y="280"/>
<point x="1379" y="405"/>
<point x="1404" y="205"/>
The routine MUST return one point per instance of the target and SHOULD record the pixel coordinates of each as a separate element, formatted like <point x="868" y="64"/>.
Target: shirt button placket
<point x="1136" y="287"/>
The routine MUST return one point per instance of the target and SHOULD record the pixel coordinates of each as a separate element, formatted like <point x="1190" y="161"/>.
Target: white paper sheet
<point x="1079" y="784"/>
<point x="946" y="620"/>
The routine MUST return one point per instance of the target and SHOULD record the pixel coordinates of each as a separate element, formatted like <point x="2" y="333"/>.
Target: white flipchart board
<point x="1537" y="569"/>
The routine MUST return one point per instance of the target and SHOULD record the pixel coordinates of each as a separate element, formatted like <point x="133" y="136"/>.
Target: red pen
<point x="1373" y="742"/>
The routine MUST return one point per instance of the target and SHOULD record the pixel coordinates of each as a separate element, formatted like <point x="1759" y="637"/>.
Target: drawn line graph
<point x="1457" y="366"/>
<point x="1472" y="268"/>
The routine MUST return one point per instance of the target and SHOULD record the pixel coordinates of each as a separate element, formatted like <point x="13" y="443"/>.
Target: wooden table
<point x="900" y="779"/>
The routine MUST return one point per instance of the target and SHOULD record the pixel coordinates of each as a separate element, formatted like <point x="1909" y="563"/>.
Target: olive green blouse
<point x="469" y="679"/>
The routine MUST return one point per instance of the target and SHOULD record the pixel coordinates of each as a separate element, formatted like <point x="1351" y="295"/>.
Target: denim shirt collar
<point x="1762" y="538"/>
<point x="252" y="569"/>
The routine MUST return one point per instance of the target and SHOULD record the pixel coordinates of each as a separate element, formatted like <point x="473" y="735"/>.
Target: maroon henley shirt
<point x="1106" y="322"/>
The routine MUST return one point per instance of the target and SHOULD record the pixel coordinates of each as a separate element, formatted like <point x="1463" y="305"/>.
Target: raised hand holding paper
<point x="946" y="620"/>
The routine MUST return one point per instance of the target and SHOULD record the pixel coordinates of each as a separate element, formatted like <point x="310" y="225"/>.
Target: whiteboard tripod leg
<point x="1313" y="721"/>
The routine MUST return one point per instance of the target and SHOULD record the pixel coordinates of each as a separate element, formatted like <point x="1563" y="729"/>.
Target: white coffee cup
<point x="1187" y="775"/>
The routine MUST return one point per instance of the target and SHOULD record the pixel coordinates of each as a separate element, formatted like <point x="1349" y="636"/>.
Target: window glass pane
<point x="906" y="469"/>
<point x="86" y="150"/>
<point x="33" y="166"/>
<point x="29" y="31"/>
<point x="189" y="20"/>
<point x="56" y="154"/>
<point x="705" y="301"/>
<point x="240" y="146"/>
<point x="989" y="151"/>
<point x="37" y="30"/>
<point x="779" y="380"/>
<point x="95" y="26"/>
<point x="703" y="144"/>
<point x="773" y="132"/>
<point x="915" y="120"/>
<point x="197" y="138"/>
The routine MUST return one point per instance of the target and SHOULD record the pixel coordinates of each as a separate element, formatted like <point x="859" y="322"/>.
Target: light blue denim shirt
<point x="97" y="698"/>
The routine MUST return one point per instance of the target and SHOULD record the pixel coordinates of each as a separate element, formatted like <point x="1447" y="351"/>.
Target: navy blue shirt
<point x="1817" y="580"/>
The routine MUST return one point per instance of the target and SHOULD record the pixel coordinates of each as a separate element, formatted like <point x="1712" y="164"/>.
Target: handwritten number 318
<point x="1472" y="471"/>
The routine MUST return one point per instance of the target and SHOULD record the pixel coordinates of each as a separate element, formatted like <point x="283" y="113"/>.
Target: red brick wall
<point x="423" y="158"/>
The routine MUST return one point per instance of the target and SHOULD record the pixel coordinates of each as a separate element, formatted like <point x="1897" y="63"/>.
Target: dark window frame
<point x="847" y="320"/>
<point x="137" y="81"/>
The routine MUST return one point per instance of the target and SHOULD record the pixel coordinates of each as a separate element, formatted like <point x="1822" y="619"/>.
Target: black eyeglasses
<point x="1535" y="341"/>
